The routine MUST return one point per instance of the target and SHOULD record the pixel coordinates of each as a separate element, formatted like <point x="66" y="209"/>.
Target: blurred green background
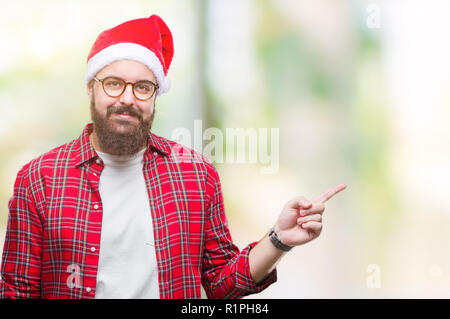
<point x="359" y="91"/>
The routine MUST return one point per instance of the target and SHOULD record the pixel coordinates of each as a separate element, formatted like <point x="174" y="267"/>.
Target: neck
<point x="93" y="139"/>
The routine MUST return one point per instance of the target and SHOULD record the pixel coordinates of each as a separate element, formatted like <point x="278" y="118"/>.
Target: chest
<point x="78" y="199"/>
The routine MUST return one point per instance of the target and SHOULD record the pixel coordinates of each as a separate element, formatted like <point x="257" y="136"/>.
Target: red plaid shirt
<point x="55" y="218"/>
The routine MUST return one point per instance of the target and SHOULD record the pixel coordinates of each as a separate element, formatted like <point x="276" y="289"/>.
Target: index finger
<point x="330" y="193"/>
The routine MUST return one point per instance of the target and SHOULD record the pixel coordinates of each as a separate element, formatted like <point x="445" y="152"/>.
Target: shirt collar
<point x="84" y="151"/>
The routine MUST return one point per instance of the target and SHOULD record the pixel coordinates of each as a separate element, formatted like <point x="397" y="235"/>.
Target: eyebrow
<point x="140" y="80"/>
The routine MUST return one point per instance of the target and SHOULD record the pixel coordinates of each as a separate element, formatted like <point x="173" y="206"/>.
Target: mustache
<point x="123" y="109"/>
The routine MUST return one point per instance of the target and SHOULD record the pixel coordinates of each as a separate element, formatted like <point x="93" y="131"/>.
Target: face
<point x="121" y="124"/>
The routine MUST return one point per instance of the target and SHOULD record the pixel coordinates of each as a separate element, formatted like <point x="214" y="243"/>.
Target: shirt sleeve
<point x="21" y="259"/>
<point x="226" y="271"/>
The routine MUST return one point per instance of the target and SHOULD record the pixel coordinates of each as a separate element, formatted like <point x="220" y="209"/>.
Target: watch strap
<point x="277" y="242"/>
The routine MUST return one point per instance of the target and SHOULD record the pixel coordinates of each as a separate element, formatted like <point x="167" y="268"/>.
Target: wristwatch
<point x="277" y="242"/>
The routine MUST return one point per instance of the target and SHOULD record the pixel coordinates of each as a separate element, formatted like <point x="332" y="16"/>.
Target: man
<point x="117" y="214"/>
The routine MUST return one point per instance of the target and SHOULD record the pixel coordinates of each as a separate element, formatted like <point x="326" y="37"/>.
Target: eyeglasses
<point x="114" y="87"/>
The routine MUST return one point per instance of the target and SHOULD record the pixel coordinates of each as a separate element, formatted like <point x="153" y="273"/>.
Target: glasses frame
<point x="125" y="87"/>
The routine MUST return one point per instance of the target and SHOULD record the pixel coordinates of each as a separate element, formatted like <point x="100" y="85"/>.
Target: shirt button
<point x="155" y="153"/>
<point x="88" y="289"/>
<point x="95" y="174"/>
<point x="95" y="206"/>
<point x="93" y="249"/>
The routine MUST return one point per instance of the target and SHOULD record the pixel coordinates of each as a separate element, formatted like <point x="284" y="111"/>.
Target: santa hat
<point x="146" y="40"/>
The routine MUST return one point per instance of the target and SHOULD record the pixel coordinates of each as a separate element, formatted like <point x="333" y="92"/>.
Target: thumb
<point x="299" y="202"/>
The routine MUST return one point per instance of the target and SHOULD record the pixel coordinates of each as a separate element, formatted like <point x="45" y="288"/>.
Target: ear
<point x="90" y="88"/>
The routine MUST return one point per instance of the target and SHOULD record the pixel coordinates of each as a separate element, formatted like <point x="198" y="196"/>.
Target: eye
<point x="113" y="83"/>
<point x="143" y="87"/>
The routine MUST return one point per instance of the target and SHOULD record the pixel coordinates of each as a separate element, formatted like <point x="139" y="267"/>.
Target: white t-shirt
<point x="127" y="262"/>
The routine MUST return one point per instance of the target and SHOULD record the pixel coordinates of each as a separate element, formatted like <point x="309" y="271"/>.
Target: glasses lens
<point x="113" y="86"/>
<point x="144" y="90"/>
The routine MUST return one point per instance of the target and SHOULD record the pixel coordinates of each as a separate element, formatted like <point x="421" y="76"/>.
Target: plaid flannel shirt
<point x="52" y="240"/>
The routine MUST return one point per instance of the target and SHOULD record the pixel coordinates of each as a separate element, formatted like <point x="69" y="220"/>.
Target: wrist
<point x="274" y="236"/>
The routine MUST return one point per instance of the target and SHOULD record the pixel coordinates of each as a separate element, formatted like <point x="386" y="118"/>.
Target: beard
<point x="128" y="141"/>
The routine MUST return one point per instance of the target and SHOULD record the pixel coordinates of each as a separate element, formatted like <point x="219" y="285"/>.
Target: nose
<point x="127" y="96"/>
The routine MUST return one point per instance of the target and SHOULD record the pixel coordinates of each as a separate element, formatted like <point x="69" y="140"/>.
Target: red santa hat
<point x="146" y="40"/>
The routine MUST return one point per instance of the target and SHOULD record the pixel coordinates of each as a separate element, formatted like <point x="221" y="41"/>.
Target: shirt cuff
<point x="244" y="278"/>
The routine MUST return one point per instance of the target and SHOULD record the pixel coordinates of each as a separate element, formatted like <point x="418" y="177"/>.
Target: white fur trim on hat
<point x="131" y="51"/>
